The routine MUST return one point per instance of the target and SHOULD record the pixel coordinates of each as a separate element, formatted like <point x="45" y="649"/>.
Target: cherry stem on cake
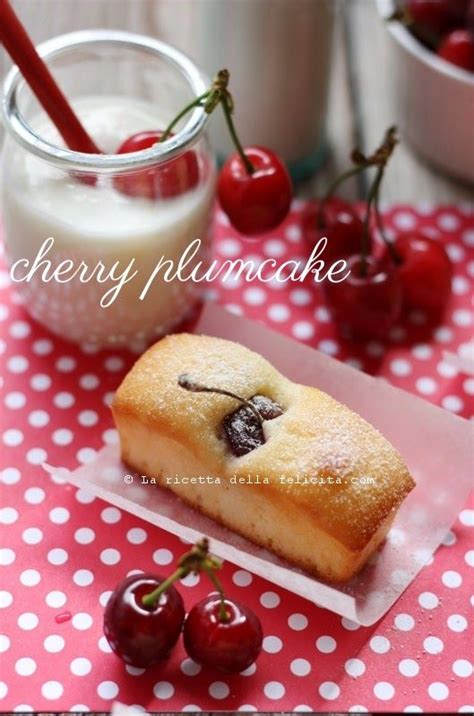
<point x="218" y="93"/>
<point x="196" y="560"/>
<point x="186" y="382"/>
<point x="21" y="49"/>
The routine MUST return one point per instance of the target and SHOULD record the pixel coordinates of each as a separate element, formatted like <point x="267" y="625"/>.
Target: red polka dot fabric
<point x="63" y="550"/>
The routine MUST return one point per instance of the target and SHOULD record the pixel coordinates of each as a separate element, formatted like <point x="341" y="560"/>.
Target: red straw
<point x="22" y="51"/>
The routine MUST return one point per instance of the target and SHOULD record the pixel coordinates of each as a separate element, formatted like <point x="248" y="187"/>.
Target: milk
<point x="99" y="223"/>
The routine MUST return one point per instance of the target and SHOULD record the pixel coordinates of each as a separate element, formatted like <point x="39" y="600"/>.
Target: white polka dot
<point x="89" y="381"/>
<point x="191" y="580"/>
<point x="88" y="418"/>
<point x="34" y="495"/>
<point x="322" y="314"/>
<point x="274" y="690"/>
<point x="460" y="285"/>
<point x="300" y="667"/>
<point x="297" y="622"/>
<point x="25" y="666"/>
<point x="269" y="600"/>
<point x="57" y="556"/>
<point x="326" y="644"/>
<point x="278" y="312"/>
<point x="457" y="623"/>
<point x="80" y="666"/>
<point x="438" y="691"/>
<point x="303" y="330"/>
<point x="451" y="579"/>
<point x="107" y="690"/>
<point x="467" y="518"/>
<point x="412" y="710"/>
<point x="113" y="364"/>
<point x="104" y="645"/>
<point x="443" y="334"/>
<point x="15" y="400"/>
<point x="190" y="667"/>
<point x="23" y="708"/>
<point x="83" y="577"/>
<point x="254" y="296"/>
<point x="349" y="624"/>
<point x="462" y="317"/>
<point x="428" y="600"/>
<point x="79" y="707"/>
<point x="404" y="622"/>
<point x="193" y="708"/>
<point x="426" y="386"/>
<point x="242" y="578"/>
<point x="28" y="621"/>
<point x="163" y="690"/>
<point x="54" y="643"/>
<point x="300" y="297"/>
<point x="82" y="621"/>
<point x="136" y="535"/>
<point x="469" y="557"/>
<point x="162" y="556"/>
<point x="42" y="347"/>
<point x="64" y="399"/>
<point x="448" y="222"/>
<point x="40" y="381"/>
<point x="408" y="667"/>
<point x="379" y="644"/>
<point x="4" y="643"/>
<point x="468" y="386"/>
<point x="30" y="577"/>
<point x="462" y="668"/>
<point x="36" y="456"/>
<point x="5" y="599"/>
<point x="302" y="708"/>
<point x="59" y="515"/>
<point x="12" y="437"/>
<point x="7" y="556"/>
<point x="11" y="475"/>
<point x="65" y="364"/>
<point x="38" y="418"/>
<point x="433" y="645"/>
<point x="52" y="690"/>
<point x="274" y="248"/>
<point x="452" y="403"/>
<point x="55" y="599"/>
<point x="384" y="691"/>
<point x="329" y="690"/>
<point x="272" y="644"/>
<point x="358" y="709"/>
<point x="400" y="367"/>
<point x="455" y="252"/>
<point x="354" y="667"/>
<point x="110" y="556"/>
<point x="422" y="351"/>
<point x="32" y="535"/>
<point x="404" y="220"/>
<point x="328" y="346"/>
<point x="229" y="247"/>
<point x="84" y="497"/>
<point x="86" y="455"/>
<point x="17" y="364"/>
<point x="84" y="535"/>
<point x="134" y="670"/>
<point x="62" y="436"/>
<point x="110" y="436"/>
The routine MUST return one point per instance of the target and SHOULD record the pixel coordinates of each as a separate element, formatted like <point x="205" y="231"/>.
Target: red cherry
<point x="425" y="273"/>
<point x="140" y="635"/>
<point x="433" y="18"/>
<point x="258" y="202"/>
<point x="365" y="306"/>
<point x="164" y="181"/>
<point x="458" y="48"/>
<point x="339" y="223"/>
<point x="229" y="646"/>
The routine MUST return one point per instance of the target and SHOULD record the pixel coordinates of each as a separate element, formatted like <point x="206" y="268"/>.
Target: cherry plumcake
<point x="282" y="464"/>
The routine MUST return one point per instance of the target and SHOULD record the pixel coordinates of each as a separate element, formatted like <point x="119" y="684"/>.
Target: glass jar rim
<point x="69" y="160"/>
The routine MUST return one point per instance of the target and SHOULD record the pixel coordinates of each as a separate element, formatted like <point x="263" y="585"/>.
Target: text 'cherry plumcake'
<point x="282" y="464"/>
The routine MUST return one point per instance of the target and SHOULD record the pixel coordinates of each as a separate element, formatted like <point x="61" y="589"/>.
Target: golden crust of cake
<point x="361" y="479"/>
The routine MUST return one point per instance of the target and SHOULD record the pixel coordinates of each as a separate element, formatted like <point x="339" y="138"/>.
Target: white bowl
<point x="433" y="101"/>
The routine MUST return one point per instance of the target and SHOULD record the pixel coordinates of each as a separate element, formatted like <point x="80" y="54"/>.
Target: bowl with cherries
<point x="431" y="78"/>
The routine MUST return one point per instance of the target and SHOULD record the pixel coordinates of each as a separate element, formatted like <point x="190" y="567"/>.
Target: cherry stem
<point x="226" y="108"/>
<point x="394" y="255"/>
<point x="364" y="248"/>
<point x="198" y="102"/>
<point x="186" y="382"/>
<point x="224" y="615"/>
<point x="19" y="46"/>
<point x="196" y="560"/>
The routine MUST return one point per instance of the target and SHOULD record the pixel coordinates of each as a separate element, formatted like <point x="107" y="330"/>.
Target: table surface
<point x="358" y="111"/>
<point x="63" y="551"/>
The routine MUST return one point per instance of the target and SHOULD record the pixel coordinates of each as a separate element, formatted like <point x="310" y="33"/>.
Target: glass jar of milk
<point x="73" y="234"/>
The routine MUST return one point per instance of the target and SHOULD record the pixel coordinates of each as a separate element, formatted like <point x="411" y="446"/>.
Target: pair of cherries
<point x="254" y="187"/>
<point x="145" y="617"/>
<point x="446" y="26"/>
<point x="414" y="276"/>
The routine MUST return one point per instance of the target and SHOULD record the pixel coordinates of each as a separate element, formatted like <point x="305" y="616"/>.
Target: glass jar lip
<point x="69" y="160"/>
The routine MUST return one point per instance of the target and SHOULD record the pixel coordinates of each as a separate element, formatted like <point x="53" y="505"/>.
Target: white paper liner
<point x="435" y="444"/>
